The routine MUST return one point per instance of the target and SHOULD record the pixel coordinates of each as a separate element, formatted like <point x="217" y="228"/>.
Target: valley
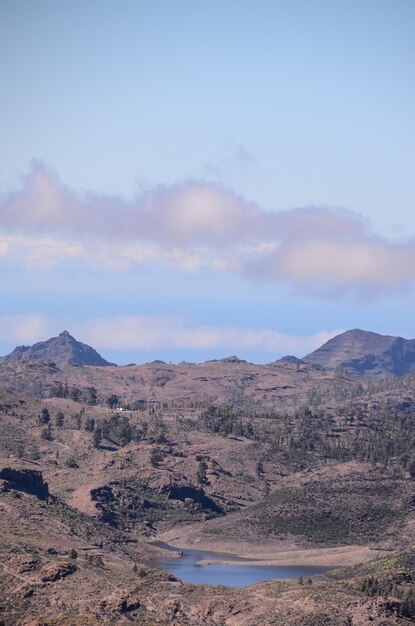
<point x="284" y="464"/>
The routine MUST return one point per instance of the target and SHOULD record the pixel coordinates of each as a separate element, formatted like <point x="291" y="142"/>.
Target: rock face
<point x="56" y="571"/>
<point x="118" y="603"/>
<point x="188" y="492"/>
<point x="29" y="481"/>
<point x="363" y="352"/>
<point x="63" y="349"/>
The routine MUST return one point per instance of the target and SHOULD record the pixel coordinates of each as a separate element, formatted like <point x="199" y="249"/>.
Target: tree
<point x="89" y="424"/>
<point x="201" y="473"/>
<point x="90" y="395"/>
<point x="156" y="457"/>
<point x="75" y="394"/>
<point x="411" y="467"/>
<point x="44" y="417"/>
<point x="156" y="430"/>
<point x="117" y="429"/>
<point x="97" y="437"/>
<point x="259" y="468"/>
<point x="408" y="605"/>
<point x="112" y="401"/>
<point x="47" y="433"/>
<point x="71" y="462"/>
<point x="73" y="554"/>
<point x="78" y="418"/>
<point x="60" y="419"/>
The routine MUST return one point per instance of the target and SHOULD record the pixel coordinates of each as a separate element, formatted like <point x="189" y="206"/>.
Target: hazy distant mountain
<point x="289" y="358"/>
<point x="62" y="349"/>
<point x="364" y="352"/>
<point x="227" y="359"/>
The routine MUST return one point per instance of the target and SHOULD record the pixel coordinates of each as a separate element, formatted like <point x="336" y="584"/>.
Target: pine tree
<point x="44" y="417"/>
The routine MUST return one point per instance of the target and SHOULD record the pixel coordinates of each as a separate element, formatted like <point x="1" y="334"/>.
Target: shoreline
<point x="273" y="553"/>
<point x="261" y="563"/>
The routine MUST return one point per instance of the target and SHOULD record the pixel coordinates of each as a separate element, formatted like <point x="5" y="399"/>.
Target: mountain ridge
<point x="361" y="352"/>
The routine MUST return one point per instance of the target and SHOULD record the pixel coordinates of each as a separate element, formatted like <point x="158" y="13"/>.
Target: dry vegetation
<point x="253" y="459"/>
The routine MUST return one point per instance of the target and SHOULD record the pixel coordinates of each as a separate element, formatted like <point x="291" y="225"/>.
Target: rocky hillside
<point x="63" y="349"/>
<point x="363" y="352"/>
<point x="285" y="461"/>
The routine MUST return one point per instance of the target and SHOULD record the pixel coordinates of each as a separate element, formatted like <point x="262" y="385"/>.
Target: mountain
<point x="363" y="352"/>
<point x="63" y="349"/>
<point x="289" y="358"/>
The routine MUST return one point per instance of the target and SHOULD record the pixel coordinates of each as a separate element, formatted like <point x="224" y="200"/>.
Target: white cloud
<point x="177" y="215"/>
<point x="196" y="225"/>
<point x="360" y="264"/>
<point x="24" y="329"/>
<point x="4" y="247"/>
<point x="45" y="252"/>
<point x="143" y="333"/>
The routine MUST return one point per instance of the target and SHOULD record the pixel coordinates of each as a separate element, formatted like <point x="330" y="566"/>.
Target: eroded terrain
<point x="283" y="463"/>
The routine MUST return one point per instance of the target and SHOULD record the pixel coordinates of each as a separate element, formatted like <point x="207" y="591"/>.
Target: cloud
<point x="185" y="214"/>
<point x="23" y="329"/>
<point x="196" y="225"/>
<point x="182" y="214"/>
<point x="41" y="252"/>
<point x="364" y="264"/>
<point x="4" y="248"/>
<point x="158" y="332"/>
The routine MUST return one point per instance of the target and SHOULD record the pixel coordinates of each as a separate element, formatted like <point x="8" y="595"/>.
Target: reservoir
<point x="239" y="574"/>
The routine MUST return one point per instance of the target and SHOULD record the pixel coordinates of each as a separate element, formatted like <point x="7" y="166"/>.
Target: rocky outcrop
<point x="118" y="604"/>
<point x="63" y="349"/>
<point x="194" y="494"/>
<point x="363" y="352"/>
<point x="112" y="501"/>
<point x="133" y="505"/>
<point x="27" y="480"/>
<point x="56" y="571"/>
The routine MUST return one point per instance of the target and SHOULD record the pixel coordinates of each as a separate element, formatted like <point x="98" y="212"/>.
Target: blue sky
<point x="186" y="180"/>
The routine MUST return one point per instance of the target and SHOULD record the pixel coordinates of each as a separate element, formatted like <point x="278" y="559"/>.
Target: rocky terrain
<point x="283" y="463"/>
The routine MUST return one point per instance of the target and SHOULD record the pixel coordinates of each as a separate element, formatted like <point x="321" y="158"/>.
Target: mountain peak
<point x="366" y="352"/>
<point x="63" y="349"/>
<point x="65" y="333"/>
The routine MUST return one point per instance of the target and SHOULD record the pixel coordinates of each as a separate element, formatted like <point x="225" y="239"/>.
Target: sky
<point x="186" y="180"/>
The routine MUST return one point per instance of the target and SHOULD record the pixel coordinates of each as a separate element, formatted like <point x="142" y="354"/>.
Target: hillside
<point x="362" y="352"/>
<point x="279" y="462"/>
<point x="62" y="349"/>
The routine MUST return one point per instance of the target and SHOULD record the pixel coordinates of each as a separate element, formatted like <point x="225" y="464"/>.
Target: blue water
<point x="236" y="575"/>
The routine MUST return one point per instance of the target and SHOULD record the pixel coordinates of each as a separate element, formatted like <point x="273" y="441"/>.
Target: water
<point x="236" y="575"/>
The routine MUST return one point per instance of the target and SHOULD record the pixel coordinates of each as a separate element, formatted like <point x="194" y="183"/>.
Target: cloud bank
<point x="194" y="225"/>
<point x="147" y="333"/>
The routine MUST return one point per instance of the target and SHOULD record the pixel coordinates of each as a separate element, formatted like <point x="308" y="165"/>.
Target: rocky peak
<point x="365" y="352"/>
<point x="63" y="349"/>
